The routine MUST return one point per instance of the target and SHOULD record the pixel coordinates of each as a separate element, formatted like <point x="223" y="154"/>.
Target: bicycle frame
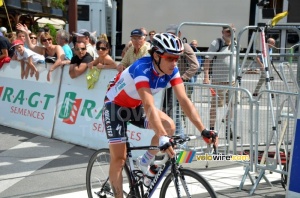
<point x="164" y="166"/>
<point x="158" y="177"/>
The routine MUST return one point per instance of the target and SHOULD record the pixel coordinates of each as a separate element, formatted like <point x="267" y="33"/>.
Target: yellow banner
<point x="1" y="3"/>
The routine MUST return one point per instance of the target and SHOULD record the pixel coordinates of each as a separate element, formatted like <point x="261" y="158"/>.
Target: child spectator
<point x="28" y="57"/>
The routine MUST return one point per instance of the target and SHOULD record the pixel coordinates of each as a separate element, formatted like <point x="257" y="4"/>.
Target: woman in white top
<point x="48" y="49"/>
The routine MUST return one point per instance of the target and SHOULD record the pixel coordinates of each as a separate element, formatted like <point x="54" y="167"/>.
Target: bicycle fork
<point x="176" y="177"/>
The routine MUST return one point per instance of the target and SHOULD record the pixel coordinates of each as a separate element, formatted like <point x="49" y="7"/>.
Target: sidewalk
<point x="225" y="178"/>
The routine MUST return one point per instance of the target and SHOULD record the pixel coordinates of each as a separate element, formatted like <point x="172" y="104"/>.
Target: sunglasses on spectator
<point x="48" y="39"/>
<point x="151" y="34"/>
<point x="101" y="48"/>
<point x="80" y="49"/>
<point x="32" y="37"/>
<point x="169" y="58"/>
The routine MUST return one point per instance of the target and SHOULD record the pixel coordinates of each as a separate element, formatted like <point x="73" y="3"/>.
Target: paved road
<point x="32" y="166"/>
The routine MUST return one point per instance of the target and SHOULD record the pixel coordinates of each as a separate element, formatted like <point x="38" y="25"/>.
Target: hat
<point x="172" y="28"/>
<point x="227" y="28"/>
<point x="3" y="30"/>
<point x="16" y="42"/>
<point x="136" y="32"/>
<point x="83" y="32"/>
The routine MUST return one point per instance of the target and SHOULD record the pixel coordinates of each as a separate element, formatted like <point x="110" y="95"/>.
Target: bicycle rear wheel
<point x="97" y="180"/>
<point x="190" y="182"/>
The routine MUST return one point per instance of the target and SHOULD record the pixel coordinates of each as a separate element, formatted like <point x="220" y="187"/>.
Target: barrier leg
<point x="246" y="173"/>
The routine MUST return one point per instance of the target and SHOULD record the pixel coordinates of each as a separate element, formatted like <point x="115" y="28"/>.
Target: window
<point x="274" y="7"/>
<point x="83" y="12"/>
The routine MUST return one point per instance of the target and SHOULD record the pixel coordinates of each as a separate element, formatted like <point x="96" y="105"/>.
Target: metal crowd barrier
<point x="262" y="125"/>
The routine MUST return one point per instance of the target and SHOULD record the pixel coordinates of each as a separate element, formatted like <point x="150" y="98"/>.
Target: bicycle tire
<point x="97" y="175"/>
<point x="196" y="184"/>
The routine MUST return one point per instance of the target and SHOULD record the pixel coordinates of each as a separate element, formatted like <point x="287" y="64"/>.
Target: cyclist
<point x="130" y="99"/>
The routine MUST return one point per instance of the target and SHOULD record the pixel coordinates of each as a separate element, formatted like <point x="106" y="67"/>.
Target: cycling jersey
<point x="123" y="103"/>
<point x="141" y="74"/>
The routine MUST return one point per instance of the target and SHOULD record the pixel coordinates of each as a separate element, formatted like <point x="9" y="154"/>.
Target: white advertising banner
<point x="28" y="104"/>
<point x="79" y="113"/>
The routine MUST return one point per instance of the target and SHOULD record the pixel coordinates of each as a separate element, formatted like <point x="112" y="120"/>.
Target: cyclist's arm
<point x="151" y="111"/>
<point x="188" y="107"/>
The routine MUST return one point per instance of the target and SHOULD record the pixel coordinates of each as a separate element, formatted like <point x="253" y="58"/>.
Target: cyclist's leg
<point x="168" y="125"/>
<point x="97" y="175"/>
<point x="117" y="161"/>
<point x="142" y="122"/>
<point x="115" y="127"/>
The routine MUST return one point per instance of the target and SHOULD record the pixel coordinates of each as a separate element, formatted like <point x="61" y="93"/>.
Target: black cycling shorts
<point x="115" y="120"/>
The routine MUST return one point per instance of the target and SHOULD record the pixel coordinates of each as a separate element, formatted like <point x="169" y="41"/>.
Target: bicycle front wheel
<point x="191" y="184"/>
<point x="97" y="180"/>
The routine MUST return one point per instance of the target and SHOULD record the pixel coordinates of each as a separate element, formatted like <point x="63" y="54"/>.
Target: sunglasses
<point x="32" y="37"/>
<point x="48" y="39"/>
<point x="80" y="49"/>
<point x="151" y="34"/>
<point x="101" y="48"/>
<point x="170" y="58"/>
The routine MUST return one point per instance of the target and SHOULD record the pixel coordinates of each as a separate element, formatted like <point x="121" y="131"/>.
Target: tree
<point x="58" y="4"/>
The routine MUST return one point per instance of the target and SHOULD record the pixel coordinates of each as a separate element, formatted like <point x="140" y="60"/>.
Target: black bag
<point x="214" y="58"/>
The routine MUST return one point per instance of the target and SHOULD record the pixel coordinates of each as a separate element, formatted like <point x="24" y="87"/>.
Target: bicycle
<point x="180" y="182"/>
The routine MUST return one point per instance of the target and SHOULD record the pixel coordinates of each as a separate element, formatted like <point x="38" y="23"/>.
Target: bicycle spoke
<point x="190" y="185"/>
<point x="97" y="180"/>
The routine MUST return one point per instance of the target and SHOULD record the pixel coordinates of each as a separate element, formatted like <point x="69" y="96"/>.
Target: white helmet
<point x="3" y="29"/>
<point x="168" y="43"/>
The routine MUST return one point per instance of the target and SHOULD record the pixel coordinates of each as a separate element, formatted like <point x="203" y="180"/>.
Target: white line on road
<point x="18" y="162"/>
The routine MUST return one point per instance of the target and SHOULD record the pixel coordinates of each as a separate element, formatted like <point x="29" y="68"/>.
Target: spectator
<point x="104" y="61"/>
<point x="262" y="79"/>
<point x="47" y="29"/>
<point x="194" y="46"/>
<point x="40" y="32"/>
<point x="28" y="57"/>
<point x="125" y="49"/>
<point x="62" y="38"/>
<point x="151" y="35"/>
<point x="22" y="36"/>
<point x="84" y="36"/>
<point x="221" y="71"/>
<point x="138" y="49"/>
<point x="188" y="66"/>
<point x="12" y="36"/>
<point x="3" y="30"/>
<point x="144" y="32"/>
<point x="49" y="50"/>
<point x="33" y="38"/>
<point x="103" y="37"/>
<point x="5" y="52"/>
<point x="73" y="42"/>
<point x="79" y="62"/>
<point x="93" y="41"/>
<point x="129" y="44"/>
